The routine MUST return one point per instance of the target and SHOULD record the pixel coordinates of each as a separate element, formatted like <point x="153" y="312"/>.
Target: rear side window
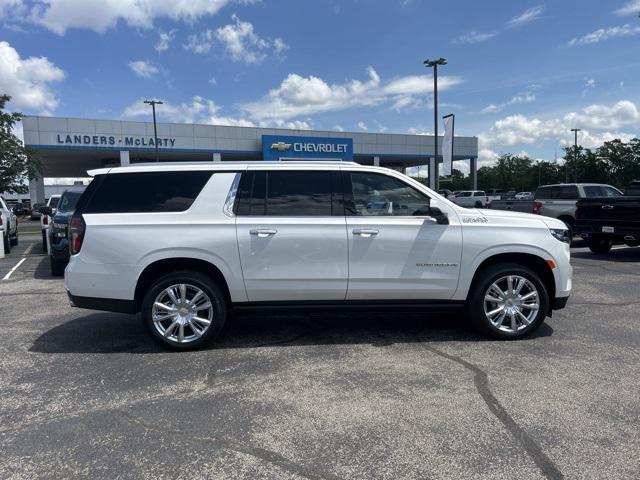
<point x="591" y="191"/>
<point x="144" y="192"/>
<point x="565" y="192"/>
<point x="289" y="193"/>
<point x="543" y="193"/>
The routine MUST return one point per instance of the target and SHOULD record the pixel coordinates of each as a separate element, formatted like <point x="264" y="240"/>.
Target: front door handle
<point x="365" y="232"/>
<point x="263" y="232"/>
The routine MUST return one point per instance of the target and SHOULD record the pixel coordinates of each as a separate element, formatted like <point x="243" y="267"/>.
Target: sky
<point x="520" y="74"/>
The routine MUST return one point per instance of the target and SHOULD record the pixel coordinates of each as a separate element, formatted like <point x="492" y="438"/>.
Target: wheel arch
<point x="534" y="262"/>
<point x="161" y="267"/>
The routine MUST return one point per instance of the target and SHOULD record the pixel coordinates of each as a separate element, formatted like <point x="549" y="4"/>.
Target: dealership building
<point x="68" y="147"/>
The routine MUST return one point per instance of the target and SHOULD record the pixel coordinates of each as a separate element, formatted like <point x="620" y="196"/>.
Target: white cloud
<point x="205" y="111"/>
<point x="164" y="40"/>
<point x="28" y="81"/>
<point x="526" y="17"/>
<point x="101" y="15"/>
<point x="213" y="81"/>
<point x="298" y="95"/>
<point x="474" y="37"/>
<point x="239" y="40"/>
<point x="144" y="68"/>
<point x="362" y="126"/>
<point x="603" y="34"/>
<point x="10" y="8"/>
<point x="632" y="7"/>
<point x="598" y="123"/>
<point x="525" y="97"/>
<point x="338" y="128"/>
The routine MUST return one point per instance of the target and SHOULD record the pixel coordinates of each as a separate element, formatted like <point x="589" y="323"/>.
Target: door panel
<point x="397" y="251"/>
<point x="305" y="259"/>
<point x="409" y="258"/>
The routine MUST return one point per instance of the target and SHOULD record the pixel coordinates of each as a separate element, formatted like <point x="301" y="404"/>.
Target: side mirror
<point x="440" y="216"/>
<point x="46" y="211"/>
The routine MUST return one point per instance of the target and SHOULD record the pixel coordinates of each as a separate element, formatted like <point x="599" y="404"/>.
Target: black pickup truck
<point x="602" y="221"/>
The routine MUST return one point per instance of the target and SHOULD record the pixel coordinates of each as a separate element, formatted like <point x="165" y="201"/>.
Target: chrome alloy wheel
<point x="182" y="313"/>
<point x="511" y="303"/>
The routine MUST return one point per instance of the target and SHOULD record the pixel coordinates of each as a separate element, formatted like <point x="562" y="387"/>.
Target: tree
<point x="17" y="163"/>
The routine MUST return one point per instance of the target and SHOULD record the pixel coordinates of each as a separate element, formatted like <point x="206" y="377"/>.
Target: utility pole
<point x="575" y="150"/>
<point x="434" y="64"/>
<point x="153" y="104"/>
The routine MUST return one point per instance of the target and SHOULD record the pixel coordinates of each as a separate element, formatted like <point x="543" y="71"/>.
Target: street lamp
<point x="434" y="64"/>
<point x="575" y="149"/>
<point x="153" y="104"/>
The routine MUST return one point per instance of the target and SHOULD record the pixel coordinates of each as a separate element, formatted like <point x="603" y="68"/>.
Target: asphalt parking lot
<point x="321" y="396"/>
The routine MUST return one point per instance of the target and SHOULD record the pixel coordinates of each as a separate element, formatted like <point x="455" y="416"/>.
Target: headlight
<point x="561" y="234"/>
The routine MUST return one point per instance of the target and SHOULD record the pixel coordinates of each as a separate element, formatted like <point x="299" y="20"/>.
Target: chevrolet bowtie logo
<point x="280" y="146"/>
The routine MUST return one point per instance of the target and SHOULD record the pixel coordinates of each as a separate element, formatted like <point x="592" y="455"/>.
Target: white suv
<point x="185" y="243"/>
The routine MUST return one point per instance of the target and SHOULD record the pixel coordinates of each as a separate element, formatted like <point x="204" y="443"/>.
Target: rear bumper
<point x="105" y="304"/>
<point x="619" y="230"/>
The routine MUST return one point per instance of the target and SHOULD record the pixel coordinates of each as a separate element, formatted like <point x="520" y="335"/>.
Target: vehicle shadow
<point x="117" y="333"/>
<point x="43" y="270"/>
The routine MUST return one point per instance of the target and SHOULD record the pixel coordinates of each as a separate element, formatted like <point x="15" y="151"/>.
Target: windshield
<point x="68" y="201"/>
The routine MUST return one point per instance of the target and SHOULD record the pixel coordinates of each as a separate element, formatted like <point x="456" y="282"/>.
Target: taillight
<point x="537" y="206"/>
<point x="45" y="219"/>
<point x="77" y="228"/>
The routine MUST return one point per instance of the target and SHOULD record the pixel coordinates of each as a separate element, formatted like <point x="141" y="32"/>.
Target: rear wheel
<point x="57" y="267"/>
<point x="7" y="243"/>
<point x="184" y="310"/>
<point x="508" y="301"/>
<point x="44" y="241"/>
<point x="599" y="244"/>
<point x="14" y="240"/>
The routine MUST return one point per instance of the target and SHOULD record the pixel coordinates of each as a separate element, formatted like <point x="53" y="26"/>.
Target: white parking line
<point x="6" y="277"/>
<point x="28" y="250"/>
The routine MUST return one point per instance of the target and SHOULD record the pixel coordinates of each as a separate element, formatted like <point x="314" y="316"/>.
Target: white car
<point x="45" y="219"/>
<point x="524" y="196"/>
<point x="185" y="243"/>
<point x="471" y="199"/>
<point x="8" y="226"/>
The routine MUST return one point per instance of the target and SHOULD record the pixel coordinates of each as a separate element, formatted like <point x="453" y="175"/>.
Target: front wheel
<point x="57" y="267"/>
<point x="7" y="243"/>
<point x="14" y="240"/>
<point x="600" y="245"/>
<point x="508" y="301"/>
<point x="184" y="310"/>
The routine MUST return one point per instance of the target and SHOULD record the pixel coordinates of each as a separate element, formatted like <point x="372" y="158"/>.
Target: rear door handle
<point x="365" y="232"/>
<point x="263" y="232"/>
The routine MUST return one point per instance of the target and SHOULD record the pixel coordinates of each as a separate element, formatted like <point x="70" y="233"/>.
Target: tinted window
<point x="375" y="194"/>
<point x="145" y="192"/>
<point x="286" y="193"/>
<point x="543" y="192"/>
<point x="565" y="192"/>
<point x="54" y="202"/>
<point x="610" y="192"/>
<point x="592" y="191"/>
<point x="68" y="201"/>
<point x="464" y="194"/>
<point x="479" y="194"/>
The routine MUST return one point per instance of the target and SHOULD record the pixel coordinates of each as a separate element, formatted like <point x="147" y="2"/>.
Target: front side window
<point x="611" y="192"/>
<point x="375" y="194"/>
<point x="145" y="192"/>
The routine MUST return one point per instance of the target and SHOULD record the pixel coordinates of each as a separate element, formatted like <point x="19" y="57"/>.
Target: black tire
<point x="599" y="244"/>
<point x="478" y="204"/>
<point x="475" y="302"/>
<point x="44" y="241"/>
<point x="209" y="286"/>
<point x="57" y="267"/>
<point x="7" y="244"/>
<point x="14" y="240"/>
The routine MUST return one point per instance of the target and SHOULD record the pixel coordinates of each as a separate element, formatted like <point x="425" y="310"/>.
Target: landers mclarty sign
<point x="113" y="141"/>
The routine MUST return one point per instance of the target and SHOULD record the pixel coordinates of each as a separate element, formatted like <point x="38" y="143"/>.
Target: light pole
<point x="575" y="149"/>
<point x="434" y="64"/>
<point x="153" y="104"/>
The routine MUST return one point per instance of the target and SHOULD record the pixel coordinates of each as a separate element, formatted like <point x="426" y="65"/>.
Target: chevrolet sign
<point x="312" y="148"/>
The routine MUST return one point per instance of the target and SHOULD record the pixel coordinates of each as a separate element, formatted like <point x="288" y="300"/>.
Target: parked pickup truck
<point x="471" y="199"/>
<point x="605" y="220"/>
<point x="558" y="201"/>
